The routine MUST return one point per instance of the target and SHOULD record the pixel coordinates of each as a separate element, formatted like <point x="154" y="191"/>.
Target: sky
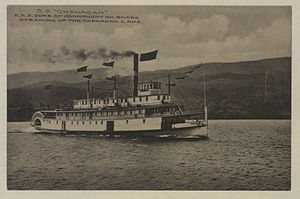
<point x="183" y="35"/>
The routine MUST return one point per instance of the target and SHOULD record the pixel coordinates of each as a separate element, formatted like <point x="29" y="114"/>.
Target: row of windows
<point x="130" y="112"/>
<point x="110" y="113"/>
<point x="90" y="122"/>
<point x="149" y="86"/>
<point x="84" y="102"/>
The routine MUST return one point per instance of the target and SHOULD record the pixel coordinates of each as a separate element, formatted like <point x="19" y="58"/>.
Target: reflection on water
<point x="239" y="155"/>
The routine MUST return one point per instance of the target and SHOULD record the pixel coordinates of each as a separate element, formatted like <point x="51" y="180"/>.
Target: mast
<point x="265" y="97"/>
<point x="136" y="71"/>
<point x="169" y="86"/>
<point x="52" y="98"/>
<point x="88" y="90"/>
<point x="266" y="79"/>
<point x="115" y="86"/>
<point x="92" y="91"/>
<point x="204" y="96"/>
<point x="52" y="95"/>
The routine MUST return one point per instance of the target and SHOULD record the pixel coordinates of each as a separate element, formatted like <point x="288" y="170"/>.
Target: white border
<point x="295" y="191"/>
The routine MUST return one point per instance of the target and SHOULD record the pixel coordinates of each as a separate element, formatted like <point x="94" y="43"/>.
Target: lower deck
<point x="156" y="125"/>
<point x="103" y="125"/>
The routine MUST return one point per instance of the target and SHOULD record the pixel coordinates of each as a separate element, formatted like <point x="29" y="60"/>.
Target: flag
<point x="109" y="78"/>
<point x="198" y="66"/>
<point x="148" y="56"/>
<point x="49" y="86"/>
<point x="188" y="72"/>
<point x="110" y="64"/>
<point x="180" y="77"/>
<point x="82" y="69"/>
<point x="171" y="84"/>
<point x="88" y="76"/>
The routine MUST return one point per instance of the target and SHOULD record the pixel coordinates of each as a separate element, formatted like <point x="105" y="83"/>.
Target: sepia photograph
<point x="149" y="97"/>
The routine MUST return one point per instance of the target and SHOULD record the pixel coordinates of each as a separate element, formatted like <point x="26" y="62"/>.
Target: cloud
<point x="179" y="42"/>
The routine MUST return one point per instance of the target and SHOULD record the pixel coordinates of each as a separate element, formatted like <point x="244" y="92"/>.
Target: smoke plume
<point x="82" y="54"/>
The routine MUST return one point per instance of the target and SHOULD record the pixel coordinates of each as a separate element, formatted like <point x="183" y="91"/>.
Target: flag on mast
<point x="88" y="76"/>
<point x="82" y="69"/>
<point x="48" y="86"/>
<point x="148" y="56"/>
<point x="110" y="64"/>
<point x="110" y="78"/>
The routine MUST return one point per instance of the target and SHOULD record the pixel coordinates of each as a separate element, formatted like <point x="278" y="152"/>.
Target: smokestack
<point x="136" y="71"/>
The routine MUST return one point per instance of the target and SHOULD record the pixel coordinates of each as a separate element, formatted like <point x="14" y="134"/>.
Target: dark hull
<point x="184" y="132"/>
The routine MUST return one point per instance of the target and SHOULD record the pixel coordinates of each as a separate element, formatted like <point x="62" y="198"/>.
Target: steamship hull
<point x="155" y="126"/>
<point x="192" y="131"/>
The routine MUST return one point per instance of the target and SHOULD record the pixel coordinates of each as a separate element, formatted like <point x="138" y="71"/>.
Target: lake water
<point x="239" y="155"/>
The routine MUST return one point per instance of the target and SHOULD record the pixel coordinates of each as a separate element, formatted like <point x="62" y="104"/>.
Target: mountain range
<point x="234" y="90"/>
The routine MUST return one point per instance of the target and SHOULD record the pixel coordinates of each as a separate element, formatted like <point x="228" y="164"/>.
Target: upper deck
<point x="148" y="100"/>
<point x="149" y="94"/>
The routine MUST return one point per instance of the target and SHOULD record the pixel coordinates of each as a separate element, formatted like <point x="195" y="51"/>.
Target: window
<point x="125" y="99"/>
<point x="95" y="122"/>
<point x="146" y="98"/>
<point x="101" y="122"/>
<point x="158" y="97"/>
<point x="77" y="122"/>
<point x="140" y="111"/>
<point x="140" y="99"/>
<point x="144" y="120"/>
<point x="130" y="112"/>
<point x="90" y="122"/>
<point x="72" y="122"/>
<point x="56" y="122"/>
<point x="126" y="121"/>
<point x="82" y="122"/>
<point x="133" y="99"/>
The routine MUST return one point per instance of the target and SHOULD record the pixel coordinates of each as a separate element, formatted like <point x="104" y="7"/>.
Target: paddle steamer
<point x="149" y="111"/>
